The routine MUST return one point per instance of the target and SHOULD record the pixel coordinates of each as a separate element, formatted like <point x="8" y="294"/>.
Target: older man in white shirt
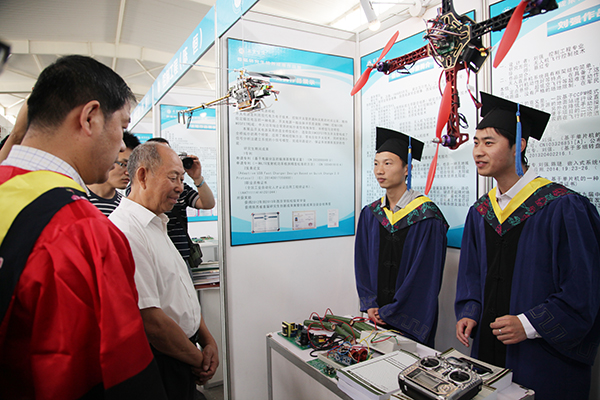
<point x="167" y="299"/>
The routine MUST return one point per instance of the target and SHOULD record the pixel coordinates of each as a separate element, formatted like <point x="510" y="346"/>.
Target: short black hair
<point x="159" y="140"/>
<point x="131" y="141"/>
<point x="511" y="142"/>
<point x="73" y="81"/>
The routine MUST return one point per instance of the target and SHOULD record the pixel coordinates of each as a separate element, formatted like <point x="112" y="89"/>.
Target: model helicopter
<point x="455" y="44"/>
<point x="247" y="94"/>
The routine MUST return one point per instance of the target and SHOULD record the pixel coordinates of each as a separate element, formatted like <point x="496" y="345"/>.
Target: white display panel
<point x="295" y="158"/>
<point x="559" y="74"/>
<point x="199" y="139"/>
<point x="409" y="103"/>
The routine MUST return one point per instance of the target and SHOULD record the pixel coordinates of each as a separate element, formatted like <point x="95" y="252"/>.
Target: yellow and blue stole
<point x="417" y="210"/>
<point x="28" y="203"/>
<point x="532" y="198"/>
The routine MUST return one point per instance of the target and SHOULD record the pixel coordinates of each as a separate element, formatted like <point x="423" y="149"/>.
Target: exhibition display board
<point x="291" y="163"/>
<point x="560" y="74"/>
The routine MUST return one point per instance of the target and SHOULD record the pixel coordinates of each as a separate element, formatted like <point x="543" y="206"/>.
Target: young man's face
<point x="390" y="171"/>
<point x="118" y="177"/>
<point x="492" y="154"/>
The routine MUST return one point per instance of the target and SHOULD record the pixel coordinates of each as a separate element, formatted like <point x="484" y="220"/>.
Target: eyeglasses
<point x="121" y="164"/>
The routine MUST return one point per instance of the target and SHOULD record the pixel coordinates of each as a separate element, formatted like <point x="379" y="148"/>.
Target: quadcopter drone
<point x="454" y="41"/>
<point x="247" y="93"/>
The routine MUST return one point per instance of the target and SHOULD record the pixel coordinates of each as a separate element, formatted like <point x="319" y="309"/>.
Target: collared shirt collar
<point x="505" y="198"/>
<point x="405" y="200"/>
<point x="143" y="215"/>
<point x="33" y="159"/>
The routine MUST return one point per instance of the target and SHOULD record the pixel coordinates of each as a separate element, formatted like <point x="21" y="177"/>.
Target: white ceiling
<point x="134" y="37"/>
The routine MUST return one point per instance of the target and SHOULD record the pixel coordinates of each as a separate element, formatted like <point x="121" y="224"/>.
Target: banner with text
<point x="559" y="74"/>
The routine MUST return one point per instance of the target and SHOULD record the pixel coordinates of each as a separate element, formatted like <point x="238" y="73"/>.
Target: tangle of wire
<point x="334" y="341"/>
<point x="355" y="348"/>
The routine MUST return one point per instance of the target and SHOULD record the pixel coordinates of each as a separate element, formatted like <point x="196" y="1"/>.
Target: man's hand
<point x="508" y="329"/>
<point x="167" y="337"/>
<point x="210" y="363"/>
<point x="374" y="316"/>
<point x="196" y="171"/>
<point x="464" y="327"/>
<point x="206" y="199"/>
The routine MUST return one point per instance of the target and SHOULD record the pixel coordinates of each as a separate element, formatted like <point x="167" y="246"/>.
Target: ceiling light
<point x="375" y="25"/>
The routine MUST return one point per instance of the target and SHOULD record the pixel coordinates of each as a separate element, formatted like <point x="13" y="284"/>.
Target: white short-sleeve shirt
<point x="161" y="275"/>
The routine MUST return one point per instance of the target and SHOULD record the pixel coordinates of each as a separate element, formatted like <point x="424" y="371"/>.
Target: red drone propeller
<point x="510" y="35"/>
<point x="365" y="76"/>
<point x="443" y="115"/>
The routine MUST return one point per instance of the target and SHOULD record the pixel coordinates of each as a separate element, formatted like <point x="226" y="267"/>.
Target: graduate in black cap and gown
<point x="400" y="245"/>
<point x="528" y="289"/>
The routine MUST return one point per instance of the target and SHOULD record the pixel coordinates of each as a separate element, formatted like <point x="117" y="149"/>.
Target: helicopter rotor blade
<point x="365" y="76"/>
<point x="443" y="116"/>
<point x="389" y="45"/>
<point x="510" y="34"/>
<point x="444" y="111"/>
<point x="270" y="75"/>
<point x="361" y="81"/>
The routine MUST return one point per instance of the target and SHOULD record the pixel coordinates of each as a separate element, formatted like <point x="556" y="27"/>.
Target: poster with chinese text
<point x="554" y="66"/>
<point x="291" y="160"/>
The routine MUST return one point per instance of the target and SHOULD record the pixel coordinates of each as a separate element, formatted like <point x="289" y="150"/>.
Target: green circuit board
<point x="295" y="340"/>
<point x="322" y="368"/>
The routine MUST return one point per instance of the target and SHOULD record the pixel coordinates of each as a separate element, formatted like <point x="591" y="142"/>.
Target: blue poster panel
<point x="409" y="103"/>
<point x="291" y="161"/>
<point x="554" y="66"/>
<point x="198" y="138"/>
<point x="143" y="137"/>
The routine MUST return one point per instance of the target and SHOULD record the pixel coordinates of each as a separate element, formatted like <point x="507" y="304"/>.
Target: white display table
<point x="281" y="385"/>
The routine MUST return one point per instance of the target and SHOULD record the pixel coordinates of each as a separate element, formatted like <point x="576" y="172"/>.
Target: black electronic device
<point x="188" y="162"/>
<point x="475" y="366"/>
<point x="438" y="378"/>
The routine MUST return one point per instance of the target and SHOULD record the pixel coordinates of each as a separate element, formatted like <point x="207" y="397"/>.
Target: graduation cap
<point x="517" y="120"/>
<point x="400" y="144"/>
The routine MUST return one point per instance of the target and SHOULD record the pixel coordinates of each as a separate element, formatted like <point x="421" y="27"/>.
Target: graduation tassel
<point x="518" y="164"/>
<point x="408" y="182"/>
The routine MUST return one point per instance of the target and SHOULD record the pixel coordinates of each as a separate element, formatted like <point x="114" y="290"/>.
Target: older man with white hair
<point x="167" y="299"/>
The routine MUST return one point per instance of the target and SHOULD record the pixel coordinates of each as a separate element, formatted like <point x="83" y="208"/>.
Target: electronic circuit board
<point x="295" y="340"/>
<point x="323" y="368"/>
